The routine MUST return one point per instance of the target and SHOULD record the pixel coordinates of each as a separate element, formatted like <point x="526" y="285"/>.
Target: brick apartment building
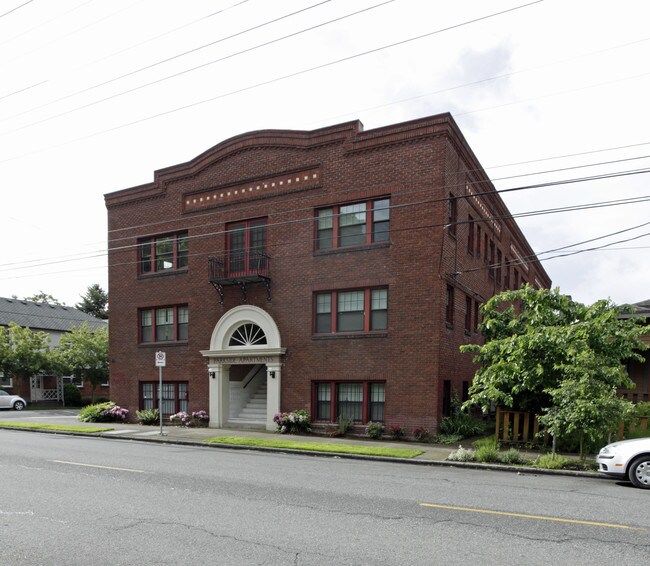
<point x="336" y="270"/>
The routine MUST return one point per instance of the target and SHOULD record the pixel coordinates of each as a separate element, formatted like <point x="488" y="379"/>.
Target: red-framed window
<point x="470" y="235"/>
<point x="449" y="305"/>
<point x="452" y="214"/>
<point x="175" y="396"/>
<point x="164" y="324"/>
<point x="354" y="224"/>
<point x="468" y="314"/>
<point x="478" y="240"/>
<point x="246" y="244"/>
<point x="359" y="401"/>
<point x="163" y="253"/>
<point x="357" y="310"/>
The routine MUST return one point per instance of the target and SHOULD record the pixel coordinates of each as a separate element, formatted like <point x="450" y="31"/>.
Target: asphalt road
<point x="67" y="500"/>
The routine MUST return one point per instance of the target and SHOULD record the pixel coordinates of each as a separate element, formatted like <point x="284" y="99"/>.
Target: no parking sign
<point x="161" y="359"/>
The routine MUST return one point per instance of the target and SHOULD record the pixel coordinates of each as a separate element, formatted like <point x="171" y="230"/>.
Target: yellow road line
<point x="538" y="517"/>
<point x="101" y="467"/>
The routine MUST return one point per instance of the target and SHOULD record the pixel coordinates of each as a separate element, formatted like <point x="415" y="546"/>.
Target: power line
<point x="267" y="82"/>
<point x="16" y="8"/>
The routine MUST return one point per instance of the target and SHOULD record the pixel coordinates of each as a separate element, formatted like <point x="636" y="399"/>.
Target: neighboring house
<point x="334" y="270"/>
<point x="640" y="372"/>
<point x="55" y="320"/>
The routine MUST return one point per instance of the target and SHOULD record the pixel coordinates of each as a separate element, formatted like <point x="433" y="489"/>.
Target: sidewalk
<point x="175" y="434"/>
<point x="432" y="454"/>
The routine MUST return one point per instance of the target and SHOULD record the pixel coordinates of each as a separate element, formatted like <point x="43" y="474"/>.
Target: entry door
<point x="37" y="387"/>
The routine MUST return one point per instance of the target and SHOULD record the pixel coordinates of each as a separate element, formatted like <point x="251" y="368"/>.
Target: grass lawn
<point x="316" y="446"/>
<point x="54" y="427"/>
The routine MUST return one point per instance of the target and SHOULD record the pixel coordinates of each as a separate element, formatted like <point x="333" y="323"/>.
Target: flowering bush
<point x="396" y="432"/>
<point x="375" y="430"/>
<point x="197" y="418"/>
<point x="181" y="419"/>
<point x="201" y="418"/>
<point x="294" y="422"/>
<point x="103" y="413"/>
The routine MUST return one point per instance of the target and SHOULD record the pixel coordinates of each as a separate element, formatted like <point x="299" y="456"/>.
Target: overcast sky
<point x="95" y="95"/>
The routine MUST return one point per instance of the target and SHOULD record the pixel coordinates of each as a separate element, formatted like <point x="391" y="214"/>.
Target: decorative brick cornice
<point x="262" y="187"/>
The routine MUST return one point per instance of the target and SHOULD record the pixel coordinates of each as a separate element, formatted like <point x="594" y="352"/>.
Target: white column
<point x="219" y="376"/>
<point x="273" y="383"/>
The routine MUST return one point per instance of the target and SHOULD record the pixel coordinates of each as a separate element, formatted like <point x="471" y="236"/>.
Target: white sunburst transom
<point x="248" y="335"/>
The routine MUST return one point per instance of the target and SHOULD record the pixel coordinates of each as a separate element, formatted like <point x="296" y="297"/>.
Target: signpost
<point x="161" y="362"/>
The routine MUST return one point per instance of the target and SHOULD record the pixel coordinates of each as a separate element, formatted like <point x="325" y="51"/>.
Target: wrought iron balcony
<point x="240" y="268"/>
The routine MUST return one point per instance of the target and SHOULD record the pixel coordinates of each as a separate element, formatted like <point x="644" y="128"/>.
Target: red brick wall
<point x="417" y="163"/>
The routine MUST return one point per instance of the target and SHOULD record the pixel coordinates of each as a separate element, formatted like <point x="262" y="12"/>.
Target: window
<point x="470" y="235"/>
<point x="246" y="242"/>
<point x="476" y="315"/>
<point x="492" y="262"/>
<point x="516" y="276"/>
<point x="468" y="314"/>
<point x="498" y="271"/>
<point x="506" y="271"/>
<point x="357" y="401"/>
<point x="174" y="396"/>
<point x="163" y="253"/>
<point x="353" y="224"/>
<point x="452" y="214"/>
<point x="362" y="310"/>
<point x="449" y="305"/>
<point x="164" y="324"/>
<point x="478" y="241"/>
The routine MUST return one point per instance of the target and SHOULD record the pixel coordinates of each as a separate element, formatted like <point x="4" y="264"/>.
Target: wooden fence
<point x="517" y="427"/>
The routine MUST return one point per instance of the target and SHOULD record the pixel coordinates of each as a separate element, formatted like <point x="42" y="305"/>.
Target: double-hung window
<point x="174" y="396"/>
<point x="247" y="247"/>
<point x="353" y="224"/>
<point x="359" y="401"/>
<point x="164" y="324"/>
<point x="163" y="253"/>
<point x="362" y="310"/>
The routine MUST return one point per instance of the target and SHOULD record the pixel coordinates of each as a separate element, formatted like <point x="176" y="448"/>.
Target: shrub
<point x="396" y="432"/>
<point x="375" y="430"/>
<point x="447" y="438"/>
<point x="148" y="416"/>
<point x="421" y="434"/>
<point x="459" y="421"/>
<point x="200" y="418"/>
<point x="71" y="395"/>
<point x="181" y="419"/>
<point x="103" y="413"/>
<point x="295" y="422"/>
<point x="461" y="455"/>
<point x="487" y="454"/>
<point x="512" y="457"/>
<point x="547" y="462"/>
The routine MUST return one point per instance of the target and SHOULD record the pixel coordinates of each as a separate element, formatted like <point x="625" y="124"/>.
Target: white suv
<point x="627" y="460"/>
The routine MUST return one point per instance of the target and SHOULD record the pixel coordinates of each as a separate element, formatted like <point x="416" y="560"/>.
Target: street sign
<point x="160" y="359"/>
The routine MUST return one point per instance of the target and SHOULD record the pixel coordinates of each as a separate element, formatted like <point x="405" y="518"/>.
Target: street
<point x="67" y="500"/>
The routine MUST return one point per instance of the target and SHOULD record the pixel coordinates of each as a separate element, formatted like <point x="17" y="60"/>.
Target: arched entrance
<point x="244" y="365"/>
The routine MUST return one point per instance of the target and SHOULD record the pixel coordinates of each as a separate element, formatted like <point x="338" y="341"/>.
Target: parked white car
<point x="627" y="460"/>
<point x="8" y="401"/>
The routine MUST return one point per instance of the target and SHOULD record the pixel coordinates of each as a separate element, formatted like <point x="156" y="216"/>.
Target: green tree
<point x="42" y="297"/>
<point x="23" y="352"/>
<point x="84" y="353"/>
<point x="94" y="302"/>
<point x="547" y="354"/>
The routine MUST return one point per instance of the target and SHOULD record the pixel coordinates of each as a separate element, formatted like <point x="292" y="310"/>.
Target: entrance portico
<point x="244" y="336"/>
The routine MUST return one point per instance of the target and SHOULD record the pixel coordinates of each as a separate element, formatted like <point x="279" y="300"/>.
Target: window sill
<point x="162" y="344"/>
<point x="165" y="273"/>
<point x="350" y="335"/>
<point x="346" y="249"/>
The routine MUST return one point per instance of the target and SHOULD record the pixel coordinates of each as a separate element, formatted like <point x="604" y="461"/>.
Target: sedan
<point x="627" y="460"/>
<point x="8" y="401"/>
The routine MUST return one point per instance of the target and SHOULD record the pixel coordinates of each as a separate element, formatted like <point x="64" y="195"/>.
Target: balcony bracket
<point x="242" y="286"/>
<point x="219" y="289"/>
